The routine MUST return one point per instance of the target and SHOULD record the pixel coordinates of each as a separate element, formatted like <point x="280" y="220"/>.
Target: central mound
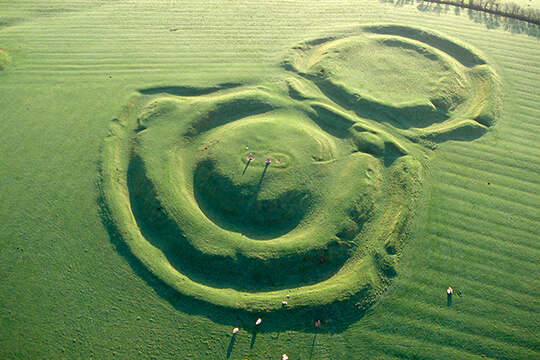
<point x="261" y="176"/>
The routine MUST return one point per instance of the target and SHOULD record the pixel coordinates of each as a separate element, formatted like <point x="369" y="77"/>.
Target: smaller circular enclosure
<point x="415" y="80"/>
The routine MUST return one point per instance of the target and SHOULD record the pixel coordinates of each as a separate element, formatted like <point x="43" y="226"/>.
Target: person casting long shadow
<point x="250" y="158"/>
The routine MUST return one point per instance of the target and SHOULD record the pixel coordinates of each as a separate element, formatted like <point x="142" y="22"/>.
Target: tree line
<point x="511" y="10"/>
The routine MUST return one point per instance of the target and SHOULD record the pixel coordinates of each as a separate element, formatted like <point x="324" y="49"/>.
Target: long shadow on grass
<point x="257" y="188"/>
<point x="491" y="21"/>
<point x="312" y="347"/>
<point x="188" y="90"/>
<point x="253" y="338"/>
<point x="231" y="346"/>
<point x="247" y="165"/>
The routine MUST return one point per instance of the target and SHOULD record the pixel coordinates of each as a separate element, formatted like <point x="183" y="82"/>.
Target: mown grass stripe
<point x="480" y="296"/>
<point x="481" y="195"/>
<point x="528" y="89"/>
<point x="438" y="334"/>
<point x="490" y="185"/>
<point x="518" y="142"/>
<point x="507" y="136"/>
<point x="455" y="238"/>
<point x="526" y="62"/>
<point x="510" y="208"/>
<point x="409" y="347"/>
<point x="461" y="258"/>
<point x="526" y="108"/>
<point x="526" y="104"/>
<point x="504" y="155"/>
<point x="516" y="245"/>
<point x="498" y="181"/>
<point x="525" y="126"/>
<point x="515" y="233"/>
<point x="512" y="219"/>
<point x="500" y="247"/>
<point x="518" y="64"/>
<point x="466" y="322"/>
<point x="461" y="162"/>
<point x="527" y="119"/>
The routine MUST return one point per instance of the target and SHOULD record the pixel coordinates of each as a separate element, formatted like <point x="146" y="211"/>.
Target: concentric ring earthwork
<point x="252" y="197"/>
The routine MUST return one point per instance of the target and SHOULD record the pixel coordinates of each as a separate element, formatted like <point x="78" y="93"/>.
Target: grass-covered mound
<point x="239" y="196"/>
<point x="424" y="84"/>
<point x="242" y="190"/>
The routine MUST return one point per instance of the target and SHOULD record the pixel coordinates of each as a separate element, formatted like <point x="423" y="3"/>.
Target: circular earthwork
<point x="249" y="197"/>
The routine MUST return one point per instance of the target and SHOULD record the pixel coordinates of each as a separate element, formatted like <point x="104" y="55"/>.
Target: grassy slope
<point x="67" y="293"/>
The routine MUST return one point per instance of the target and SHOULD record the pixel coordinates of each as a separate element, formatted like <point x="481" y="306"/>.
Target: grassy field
<point x="75" y="75"/>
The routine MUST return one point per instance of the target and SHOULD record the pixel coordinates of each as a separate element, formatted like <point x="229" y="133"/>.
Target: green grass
<point x="4" y="59"/>
<point x="73" y="288"/>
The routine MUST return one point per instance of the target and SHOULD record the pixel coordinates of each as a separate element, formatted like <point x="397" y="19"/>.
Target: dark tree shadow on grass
<point x="491" y="21"/>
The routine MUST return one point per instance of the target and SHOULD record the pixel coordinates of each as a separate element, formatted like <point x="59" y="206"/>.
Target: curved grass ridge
<point x="461" y="96"/>
<point x="188" y="188"/>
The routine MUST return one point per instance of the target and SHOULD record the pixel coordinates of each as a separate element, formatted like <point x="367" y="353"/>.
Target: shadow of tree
<point x="491" y="21"/>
